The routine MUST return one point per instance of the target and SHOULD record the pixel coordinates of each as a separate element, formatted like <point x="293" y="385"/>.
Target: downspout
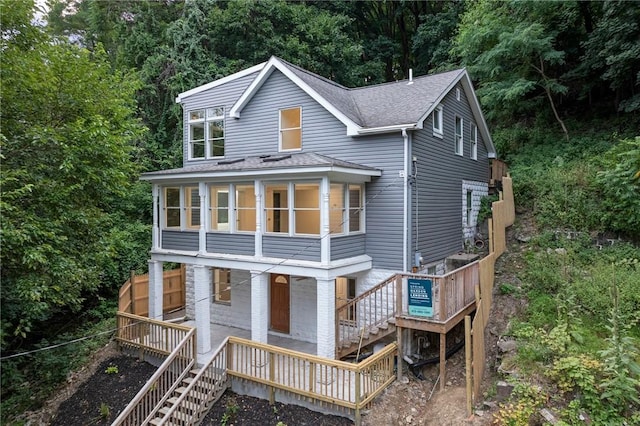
<point x="405" y="202"/>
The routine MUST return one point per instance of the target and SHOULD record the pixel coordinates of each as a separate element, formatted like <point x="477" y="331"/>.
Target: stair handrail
<point x="349" y="305"/>
<point x="183" y="397"/>
<point x="150" y="385"/>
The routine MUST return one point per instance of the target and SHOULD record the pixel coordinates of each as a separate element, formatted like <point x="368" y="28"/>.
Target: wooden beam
<point x="443" y="359"/>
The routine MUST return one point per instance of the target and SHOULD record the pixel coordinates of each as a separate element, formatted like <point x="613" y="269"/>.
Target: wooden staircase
<point x="367" y="318"/>
<point x="193" y="395"/>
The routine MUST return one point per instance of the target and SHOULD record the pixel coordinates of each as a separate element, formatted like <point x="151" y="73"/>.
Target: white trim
<point x="389" y="129"/>
<point x="458" y="139"/>
<point x="474" y="104"/>
<point x="438" y="132"/>
<point x="280" y="149"/>
<point x="473" y="138"/>
<point x="304" y="172"/>
<point x="305" y="268"/>
<point x="275" y="63"/>
<point x="219" y="82"/>
<point x="405" y="202"/>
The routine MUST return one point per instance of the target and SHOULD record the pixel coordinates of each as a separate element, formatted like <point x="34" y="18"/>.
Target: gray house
<point x="297" y="194"/>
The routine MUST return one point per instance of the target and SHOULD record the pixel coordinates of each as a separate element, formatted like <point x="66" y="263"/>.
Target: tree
<point x="67" y="135"/>
<point x="512" y="48"/>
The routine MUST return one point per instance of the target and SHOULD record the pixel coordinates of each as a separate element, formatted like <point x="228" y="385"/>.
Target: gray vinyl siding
<point x="439" y="181"/>
<point x="347" y="246"/>
<point x="178" y="240"/>
<point x="324" y="134"/>
<point x="296" y="248"/>
<point x="243" y="244"/>
<point x="225" y="95"/>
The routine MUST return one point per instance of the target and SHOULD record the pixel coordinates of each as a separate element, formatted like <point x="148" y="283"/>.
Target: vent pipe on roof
<point x="410" y="76"/>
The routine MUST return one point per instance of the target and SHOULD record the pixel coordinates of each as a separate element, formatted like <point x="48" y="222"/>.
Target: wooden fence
<point x="134" y="293"/>
<point x="503" y="212"/>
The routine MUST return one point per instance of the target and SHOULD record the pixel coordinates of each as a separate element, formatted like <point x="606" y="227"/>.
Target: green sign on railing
<point x="420" y="297"/>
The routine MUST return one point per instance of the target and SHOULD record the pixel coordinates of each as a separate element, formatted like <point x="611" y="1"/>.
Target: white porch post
<point x="326" y="320"/>
<point x="155" y="234"/>
<point x="325" y="227"/>
<point x="202" y="232"/>
<point x="202" y="293"/>
<point x="259" y="306"/>
<point x="155" y="289"/>
<point x="259" y="231"/>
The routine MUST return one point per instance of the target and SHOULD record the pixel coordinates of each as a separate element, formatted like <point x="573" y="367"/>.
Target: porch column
<point x="259" y="306"/>
<point x="326" y="318"/>
<point x="202" y="231"/>
<point x="155" y="289"/>
<point x="202" y="292"/>
<point x="259" y="231"/>
<point x="325" y="226"/>
<point x="155" y="233"/>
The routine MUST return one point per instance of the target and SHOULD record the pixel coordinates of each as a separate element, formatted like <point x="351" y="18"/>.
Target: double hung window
<point x="206" y="133"/>
<point x="474" y="142"/>
<point x="291" y="129"/>
<point x="221" y="285"/>
<point x="437" y="121"/>
<point x="458" y="135"/>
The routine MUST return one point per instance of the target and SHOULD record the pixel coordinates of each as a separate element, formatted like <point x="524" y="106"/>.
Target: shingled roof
<point x="264" y="163"/>
<point x="371" y="109"/>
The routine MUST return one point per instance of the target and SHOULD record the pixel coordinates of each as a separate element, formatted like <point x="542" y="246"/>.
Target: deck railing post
<point x="272" y="378"/>
<point x="358" y="420"/>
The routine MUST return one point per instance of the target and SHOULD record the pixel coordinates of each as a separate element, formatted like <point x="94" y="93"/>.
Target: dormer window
<point x="291" y="129"/>
<point x="437" y="121"/>
<point x="206" y="133"/>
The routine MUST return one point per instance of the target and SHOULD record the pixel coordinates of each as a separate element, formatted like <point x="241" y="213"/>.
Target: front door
<point x="280" y="303"/>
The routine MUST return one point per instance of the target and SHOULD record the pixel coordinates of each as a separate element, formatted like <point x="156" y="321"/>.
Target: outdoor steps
<point x="375" y="333"/>
<point x="183" y="415"/>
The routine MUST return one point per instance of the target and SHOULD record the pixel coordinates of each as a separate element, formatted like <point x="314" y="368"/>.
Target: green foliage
<point x="619" y="184"/>
<point x="111" y="369"/>
<point x="105" y="411"/>
<point x="621" y="383"/>
<point x="485" y="211"/>
<point x="29" y="380"/>
<point x="67" y="131"/>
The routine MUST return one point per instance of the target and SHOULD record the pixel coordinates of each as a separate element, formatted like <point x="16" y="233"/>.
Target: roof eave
<point x="366" y="174"/>
<point x="220" y="81"/>
<point x="273" y="64"/>
<point x="388" y="129"/>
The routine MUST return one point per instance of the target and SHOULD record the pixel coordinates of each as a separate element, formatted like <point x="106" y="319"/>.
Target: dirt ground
<point x="97" y="393"/>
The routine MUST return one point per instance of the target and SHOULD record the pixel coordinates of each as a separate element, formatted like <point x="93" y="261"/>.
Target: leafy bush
<point x="619" y="183"/>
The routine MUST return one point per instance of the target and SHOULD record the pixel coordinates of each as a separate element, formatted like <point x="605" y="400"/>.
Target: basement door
<point x="280" y="303"/>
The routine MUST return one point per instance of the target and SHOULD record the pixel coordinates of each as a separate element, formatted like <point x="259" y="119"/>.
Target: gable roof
<point x="265" y="165"/>
<point x="380" y="108"/>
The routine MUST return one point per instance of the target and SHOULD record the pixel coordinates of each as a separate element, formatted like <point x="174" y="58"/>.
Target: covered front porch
<point x="288" y="304"/>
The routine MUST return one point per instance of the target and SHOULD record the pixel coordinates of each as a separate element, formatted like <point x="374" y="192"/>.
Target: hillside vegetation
<point x="578" y="337"/>
<point x="88" y="103"/>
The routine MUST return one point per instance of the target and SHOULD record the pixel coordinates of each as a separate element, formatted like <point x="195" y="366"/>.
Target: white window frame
<point x="281" y="129"/>
<point x="209" y="115"/>
<point x="185" y="208"/>
<point x="458" y="138"/>
<point x="438" y="130"/>
<point x="214" y="212"/>
<point x="346" y="210"/>
<point x="291" y="208"/>
<point x="474" y="141"/>
<point x="457" y="93"/>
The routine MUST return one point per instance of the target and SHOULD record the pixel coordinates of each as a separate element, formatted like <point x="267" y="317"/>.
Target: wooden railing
<point x="205" y="388"/>
<point x="451" y="292"/>
<point x="316" y="379"/>
<point x="156" y="338"/>
<point x="151" y="337"/>
<point x="372" y="309"/>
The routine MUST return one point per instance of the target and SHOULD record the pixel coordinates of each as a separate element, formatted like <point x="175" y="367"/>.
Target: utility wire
<point x="80" y="339"/>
